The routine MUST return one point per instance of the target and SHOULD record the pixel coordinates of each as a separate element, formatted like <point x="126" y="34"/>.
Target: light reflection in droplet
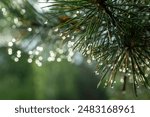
<point x="10" y="51"/>
<point x="10" y="44"/>
<point x="16" y="59"/>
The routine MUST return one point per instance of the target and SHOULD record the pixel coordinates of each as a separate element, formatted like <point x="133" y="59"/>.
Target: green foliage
<point x="66" y="81"/>
<point x="114" y="33"/>
<point x="19" y="80"/>
<point x="15" y="78"/>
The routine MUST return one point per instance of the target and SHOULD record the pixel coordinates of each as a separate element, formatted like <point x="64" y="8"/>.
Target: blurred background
<point x="23" y="76"/>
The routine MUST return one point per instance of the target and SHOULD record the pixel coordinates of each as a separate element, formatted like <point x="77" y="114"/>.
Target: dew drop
<point x="29" y="29"/>
<point x="29" y="60"/>
<point x="10" y="44"/>
<point x="16" y="59"/>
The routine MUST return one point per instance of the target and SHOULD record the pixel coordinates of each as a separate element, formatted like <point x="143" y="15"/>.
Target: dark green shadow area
<point x="16" y="79"/>
<point x="54" y="80"/>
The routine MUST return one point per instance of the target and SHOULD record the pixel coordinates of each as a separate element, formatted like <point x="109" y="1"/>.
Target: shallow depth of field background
<point x="53" y="80"/>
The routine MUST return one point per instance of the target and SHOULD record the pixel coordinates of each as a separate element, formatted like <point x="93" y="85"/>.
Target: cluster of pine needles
<point x="115" y="33"/>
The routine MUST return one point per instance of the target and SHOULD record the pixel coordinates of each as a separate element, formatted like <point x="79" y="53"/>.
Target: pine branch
<point x="112" y="43"/>
<point x="114" y="33"/>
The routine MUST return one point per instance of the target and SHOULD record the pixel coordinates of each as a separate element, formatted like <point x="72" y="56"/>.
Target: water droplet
<point x="36" y="53"/>
<point x="89" y="61"/>
<point x="105" y="84"/>
<point x="128" y="74"/>
<point x="58" y="59"/>
<point x="64" y="37"/>
<point x="46" y="22"/>
<point x="69" y="59"/>
<point x="16" y="20"/>
<point x="147" y="62"/>
<point x="39" y="48"/>
<point x="18" y="55"/>
<point x="9" y="51"/>
<point x="29" y="60"/>
<point x="112" y="87"/>
<point x="96" y="73"/>
<point x="29" y="29"/>
<point x="82" y="27"/>
<point x="30" y="52"/>
<point x="10" y="44"/>
<point x="88" y="52"/>
<point x="61" y="34"/>
<point x="78" y="12"/>
<point x="68" y="36"/>
<point x="51" y="59"/>
<point x="13" y="40"/>
<point x="101" y="64"/>
<point x="146" y="75"/>
<point x="18" y="52"/>
<point x="40" y="58"/>
<point x="148" y="69"/>
<point x="60" y="51"/>
<point x="16" y="59"/>
<point x="23" y="11"/>
<point x="120" y="70"/>
<point x="52" y="54"/>
<point x="75" y="15"/>
<point x="38" y="63"/>
<point x="4" y="11"/>
<point x="124" y="70"/>
<point x="56" y="30"/>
